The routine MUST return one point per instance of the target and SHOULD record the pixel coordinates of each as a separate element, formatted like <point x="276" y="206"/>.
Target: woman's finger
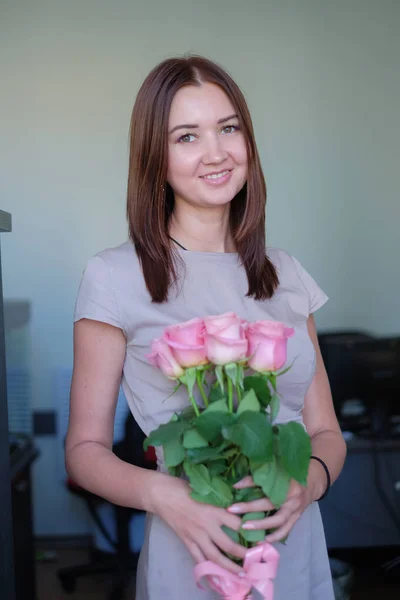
<point x="231" y="520"/>
<point x="212" y="553"/>
<point x="225" y="543"/>
<point x="244" y="483"/>
<point x="196" y="553"/>
<point x="277" y="520"/>
<point x="282" y="532"/>
<point x="260" y="505"/>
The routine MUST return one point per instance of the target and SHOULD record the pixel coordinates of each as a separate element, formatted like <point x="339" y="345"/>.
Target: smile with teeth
<point x="216" y="175"/>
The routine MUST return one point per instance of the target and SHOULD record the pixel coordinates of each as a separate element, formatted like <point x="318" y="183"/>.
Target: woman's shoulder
<point x="117" y="254"/>
<point x="281" y="259"/>
<point x="117" y="266"/>
<point x="119" y="259"/>
<point x="294" y="277"/>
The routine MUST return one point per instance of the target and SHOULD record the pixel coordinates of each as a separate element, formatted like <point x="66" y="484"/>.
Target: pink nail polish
<point x="248" y="526"/>
<point x="234" y="509"/>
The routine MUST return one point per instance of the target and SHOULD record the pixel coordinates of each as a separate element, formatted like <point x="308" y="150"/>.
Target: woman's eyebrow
<point x="194" y="126"/>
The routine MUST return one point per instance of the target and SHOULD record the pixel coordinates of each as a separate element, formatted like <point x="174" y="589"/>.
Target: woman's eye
<point x="230" y="129"/>
<point x="188" y="137"/>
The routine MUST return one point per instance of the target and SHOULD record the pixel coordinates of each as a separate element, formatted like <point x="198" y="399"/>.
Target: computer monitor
<point x="364" y="374"/>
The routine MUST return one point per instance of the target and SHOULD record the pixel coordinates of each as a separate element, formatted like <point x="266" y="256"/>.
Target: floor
<point x="94" y="587"/>
<point x="97" y="587"/>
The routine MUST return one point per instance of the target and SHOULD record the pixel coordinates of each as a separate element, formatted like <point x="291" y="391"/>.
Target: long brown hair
<point x="150" y="200"/>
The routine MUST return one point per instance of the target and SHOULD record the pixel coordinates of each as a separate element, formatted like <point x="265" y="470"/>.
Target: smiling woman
<point x="211" y="152"/>
<point x="196" y="211"/>
<point x="194" y="165"/>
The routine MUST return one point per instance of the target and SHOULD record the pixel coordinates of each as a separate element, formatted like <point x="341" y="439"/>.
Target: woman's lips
<point x="218" y="178"/>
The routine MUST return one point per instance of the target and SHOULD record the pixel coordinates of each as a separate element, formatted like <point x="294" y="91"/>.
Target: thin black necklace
<point x="177" y="243"/>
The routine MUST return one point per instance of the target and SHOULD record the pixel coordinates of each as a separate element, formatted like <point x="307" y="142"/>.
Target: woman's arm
<point x="327" y="444"/>
<point x="322" y="425"/>
<point x="99" y="354"/>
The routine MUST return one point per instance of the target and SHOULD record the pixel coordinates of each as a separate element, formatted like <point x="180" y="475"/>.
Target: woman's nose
<point x="214" y="151"/>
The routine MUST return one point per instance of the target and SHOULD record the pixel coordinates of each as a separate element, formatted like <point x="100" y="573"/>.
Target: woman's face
<point x="207" y="158"/>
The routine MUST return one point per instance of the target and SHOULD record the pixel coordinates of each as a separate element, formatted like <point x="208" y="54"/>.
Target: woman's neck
<point x="202" y="230"/>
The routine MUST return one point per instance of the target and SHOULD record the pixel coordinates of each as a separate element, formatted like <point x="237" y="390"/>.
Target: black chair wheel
<point x="68" y="583"/>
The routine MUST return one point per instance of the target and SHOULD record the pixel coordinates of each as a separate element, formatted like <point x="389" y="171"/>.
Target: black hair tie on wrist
<point x="328" y="477"/>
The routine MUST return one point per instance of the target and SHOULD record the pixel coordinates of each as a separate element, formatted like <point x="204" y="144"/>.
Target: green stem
<point x="232" y="465"/>
<point x="230" y="395"/>
<point x="239" y="393"/>
<point x="196" y="408"/>
<point x="201" y="388"/>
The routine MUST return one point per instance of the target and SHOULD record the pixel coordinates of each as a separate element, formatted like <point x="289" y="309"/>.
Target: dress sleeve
<point x="96" y="296"/>
<point x="316" y="297"/>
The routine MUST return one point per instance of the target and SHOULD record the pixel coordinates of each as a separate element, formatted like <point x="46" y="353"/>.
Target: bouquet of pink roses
<point x="227" y="431"/>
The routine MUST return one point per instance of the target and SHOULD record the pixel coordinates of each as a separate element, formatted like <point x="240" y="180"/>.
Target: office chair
<point x="121" y="564"/>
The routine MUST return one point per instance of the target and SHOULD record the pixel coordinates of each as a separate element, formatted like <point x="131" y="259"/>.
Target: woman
<point x="196" y="211"/>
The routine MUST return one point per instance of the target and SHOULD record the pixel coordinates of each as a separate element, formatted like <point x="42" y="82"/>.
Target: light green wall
<point x="322" y="80"/>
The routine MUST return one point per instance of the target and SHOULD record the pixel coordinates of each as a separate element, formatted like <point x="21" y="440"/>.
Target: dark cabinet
<point x="22" y="455"/>
<point x="6" y="546"/>
<point x="17" y="560"/>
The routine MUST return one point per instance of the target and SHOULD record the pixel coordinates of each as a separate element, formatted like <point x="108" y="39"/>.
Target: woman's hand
<point x="283" y="520"/>
<point x="197" y="525"/>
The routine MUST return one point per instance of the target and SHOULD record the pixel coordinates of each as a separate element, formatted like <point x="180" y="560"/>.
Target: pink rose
<point x="186" y="340"/>
<point x="225" y="338"/>
<point x="267" y="345"/>
<point x="162" y="357"/>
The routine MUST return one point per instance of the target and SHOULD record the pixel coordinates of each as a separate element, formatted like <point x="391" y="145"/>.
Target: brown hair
<point x="150" y="200"/>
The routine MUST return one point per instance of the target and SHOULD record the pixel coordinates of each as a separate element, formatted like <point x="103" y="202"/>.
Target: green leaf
<point x="216" y="467"/>
<point x="287" y="369"/>
<point x="222" y="490"/>
<point x="248" y="494"/>
<point x="214" y="489"/>
<point x="199" y="477"/>
<point x="241" y="467"/>
<point x="202" y="455"/>
<point x="203" y="499"/>
<point x="272" y="379"/>
<point x="260" y="386"/>
<point x="253" y="434"/>
<point x="192" y="439"/>
<point x="295" y="450"/>
<point x="281" y="485"/>
<point x="249" y="402"/>
<point x="274" y="481"/>
<point x="188" y="414"/>
<point x="240" y="376"/>
<point x="218" y="406"/>
<point x="190" y="379"/>
<point x="234" y="535"/>
<point x="274" y="407"/>
<point x="231" y="372"/>
<point x="256" y="535"/>
<point x="216" y="394"/>
<point x="175" y="471"/>
<point x="174" y="453"/>
<point x="220" y="377"/>
<point x="165" y="433"/>
<point x="210" y="423"/>
<point x="254" y="464"/>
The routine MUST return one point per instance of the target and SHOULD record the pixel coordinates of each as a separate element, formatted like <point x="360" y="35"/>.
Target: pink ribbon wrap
<point x="260" y="567"/>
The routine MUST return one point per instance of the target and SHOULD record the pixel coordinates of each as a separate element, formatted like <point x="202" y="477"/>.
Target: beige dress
<point x="113" y="291"/>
